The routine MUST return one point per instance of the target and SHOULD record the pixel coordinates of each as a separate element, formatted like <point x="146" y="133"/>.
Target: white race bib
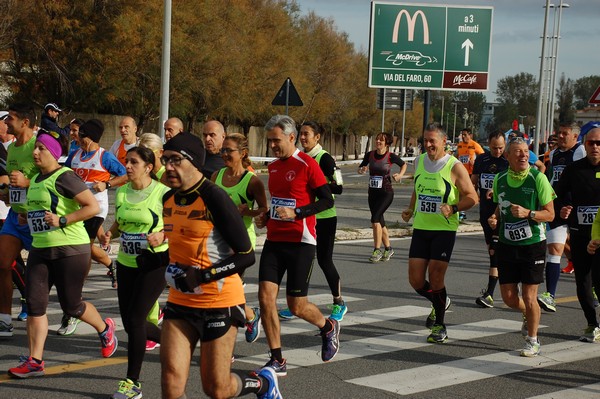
<point x="556" y="172"/>
<point x="517" y="231"/>
<point x="586" y="214"/>
<point x="486" y="181"/>
<point x="18" y="195"/>
<point x="281" y="202"/>
<point x="464" y="159"/>
<point x="132" y="244"/>
<point x="376" y="182"/>
<point x="428" y="203"/>
<point x="36" y="222"/>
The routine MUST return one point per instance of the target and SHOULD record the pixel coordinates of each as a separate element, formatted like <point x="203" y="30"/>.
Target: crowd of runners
<point x="185" y="216"/>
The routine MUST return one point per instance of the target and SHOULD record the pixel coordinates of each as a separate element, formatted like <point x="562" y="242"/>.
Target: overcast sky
<point x="516" y="34"/>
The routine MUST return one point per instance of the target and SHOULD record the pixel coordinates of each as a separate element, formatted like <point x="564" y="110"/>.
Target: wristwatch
<point x="62" y="222"/>
<point x="531" y="214"/>
<point x="454" y="209"/>
<point x="107" y="184"/>
<point x="298" y="212"/>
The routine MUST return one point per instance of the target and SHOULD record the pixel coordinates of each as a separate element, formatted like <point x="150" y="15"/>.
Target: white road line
<point x="415" y="380"/>
<point x="591" y="391"/>
<point x="306" y="357"/>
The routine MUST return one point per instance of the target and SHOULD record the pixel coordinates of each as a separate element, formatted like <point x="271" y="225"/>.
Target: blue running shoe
<point x="331" y="342"/>
<point x="23" y="315"/>
<point x="253" y="327"/>
<point x="269" y="375"/>
<point x="337" y="311"/>
<point x="286" y="314"/>
<point x="280" y="368"/>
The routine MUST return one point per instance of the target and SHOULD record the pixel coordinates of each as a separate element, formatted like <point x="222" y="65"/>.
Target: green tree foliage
<point x="584" y="88"/>
<point x="228" y="59"/>
<point x="565" y="94"/>
<point x="517" y="95"/>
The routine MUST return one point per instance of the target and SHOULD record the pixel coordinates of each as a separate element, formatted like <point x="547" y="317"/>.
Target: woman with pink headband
<point x="57" y="203"/>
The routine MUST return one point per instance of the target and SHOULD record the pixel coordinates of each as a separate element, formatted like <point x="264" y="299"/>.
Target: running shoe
<point x="253" y="327"/>
<point x="6" y="329"/>
<point x="376" y="256"/>
<point x="151" y="345"/>
<point x="387" y="254"/>
<point x="161" y="316"/>
<point x="590" y="334"/>
<point x="68" y="325"/>
<point x="23" y="315"/>
<point x="462" y="216"/>
<point x="337" y="311"/>
<point x="128" y="390"/>
<point x="531" y="349"/>
<point x="568" y="269"/>
<point x="438" y="334"/>
<point x="546" y="301"/>
<point x="485" y="300"/>
<point x="27" y="368"/>
<point x="286" y="314"/>
<point x="279" y="368"/>
<point x="331" y="341"/>
<point x="108" y="339"/>
<point x="524" y="329"/>
<point x="112" y="274"/>
<point x="270" y="376"/>
<point x="430" y="321"/>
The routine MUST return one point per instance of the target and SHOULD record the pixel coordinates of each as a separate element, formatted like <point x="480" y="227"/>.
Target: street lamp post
<point x="539" y="117"/>
<point x="553" y="67"/>
<point x="454" y="129"/>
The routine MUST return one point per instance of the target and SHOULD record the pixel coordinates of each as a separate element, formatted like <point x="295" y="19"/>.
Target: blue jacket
<point x="50" y="124"/>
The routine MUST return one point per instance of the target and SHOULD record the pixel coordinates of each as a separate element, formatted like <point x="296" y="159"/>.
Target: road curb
<point x="363" y="234"/>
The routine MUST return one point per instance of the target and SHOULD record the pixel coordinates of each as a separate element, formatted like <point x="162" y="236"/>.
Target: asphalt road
<point x="383" y="351"/>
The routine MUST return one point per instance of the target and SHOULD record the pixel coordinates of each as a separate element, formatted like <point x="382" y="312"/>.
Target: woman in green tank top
<point x="57" y="203"/>
<point x="141" y="260"/>
<point x="245" y="189"/>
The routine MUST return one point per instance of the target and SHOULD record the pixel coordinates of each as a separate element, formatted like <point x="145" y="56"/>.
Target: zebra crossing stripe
<point x="416" y="380"/>
<point x="591" y="391"/>
<point x="306" y="357"/>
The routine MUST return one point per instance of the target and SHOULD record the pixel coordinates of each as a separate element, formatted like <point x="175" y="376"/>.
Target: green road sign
<point x="429" y="47"/>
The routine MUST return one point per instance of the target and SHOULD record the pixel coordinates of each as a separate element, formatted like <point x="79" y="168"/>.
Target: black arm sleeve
<point x="228" y="221"/>
<point x="396" y="159"/>
<point x="365" y="160"/>
<point x="323" y="193"/>
<point x="327" y="164"/>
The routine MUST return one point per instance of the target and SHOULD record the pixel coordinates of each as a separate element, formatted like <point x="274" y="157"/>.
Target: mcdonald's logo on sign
<point x="411" y="21"/>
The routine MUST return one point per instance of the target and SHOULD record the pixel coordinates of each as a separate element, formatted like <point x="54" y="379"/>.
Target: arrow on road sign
<point x="467" y="45"/>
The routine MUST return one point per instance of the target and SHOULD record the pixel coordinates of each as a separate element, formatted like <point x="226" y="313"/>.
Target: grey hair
<point x="151" y="141"/>
<point x="436" y="127"/>
<point x="572" y="126"/>
<point x="284" y="122"/>
<point x="516" y="140"/>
